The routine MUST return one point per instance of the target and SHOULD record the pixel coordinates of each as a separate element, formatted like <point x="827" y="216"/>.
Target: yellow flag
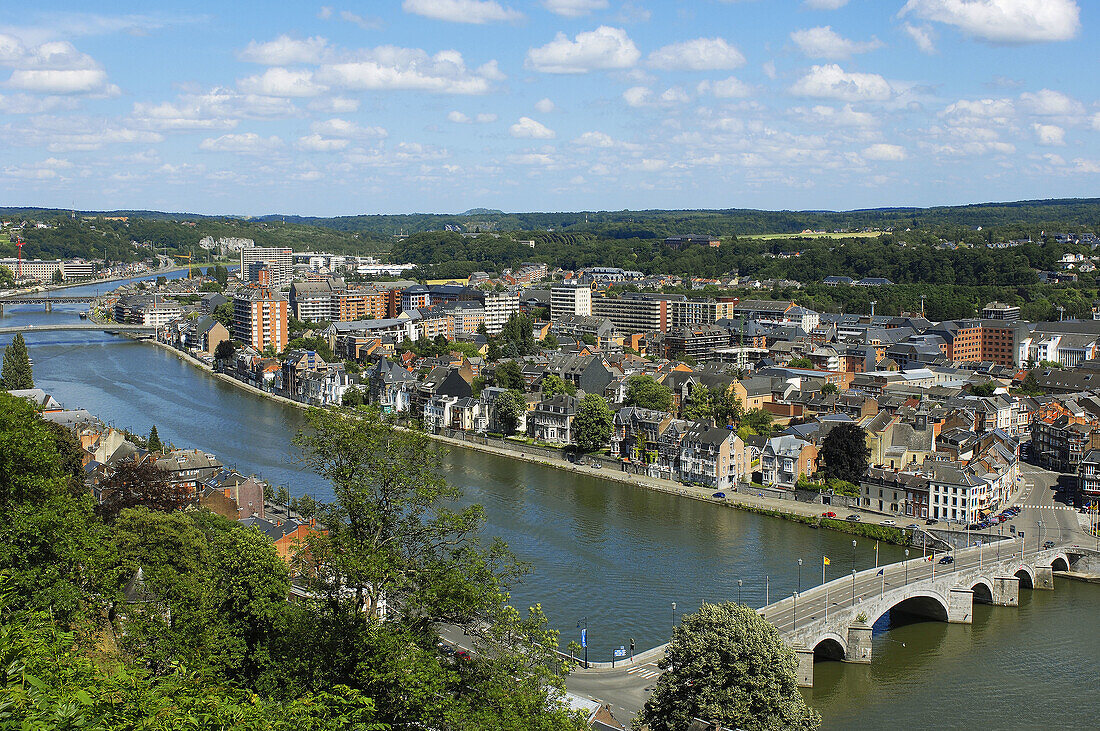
<point x="826" y="558"/>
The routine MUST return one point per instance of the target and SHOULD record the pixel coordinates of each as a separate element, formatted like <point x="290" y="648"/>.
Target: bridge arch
<point x="1060" y="562"/>
<point x="919" y="602"/>
<point x="829" y="646"/>
<point x="983" y="590"/>
<point x="1026" y="575"/>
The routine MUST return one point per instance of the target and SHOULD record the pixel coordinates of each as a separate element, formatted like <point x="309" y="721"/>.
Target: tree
<point x="593" y="423"/>
<point x="225" y="350"/>
<point x="988" y="388"/>
<point x="728" y="665"/>
<point x="550" y="342"/>
<point x="588" y="339"/>
<point x="305" y="506"/>
<point x="7" y="279"/>
<point x="1030" y="386"/>
<point x="759" y="421"/>
<point x="282" y="495"/>
<point x="829" y="388"/>
<point x="16" y="371"/>
<point x="153" y="443"/>
<point x="509" y="408"/>
<point x="644" y="392"/>
<point x="552" y="385"/>
<point x="508" y="375"/>
<point x="223" y="313"/>
<point x="221" y="274"/>
<point x="353" y="398"/>
<point x="845" y="453"/>
<point x="800" y="363"/>
<point x="58" y="277"/>
<point x="139" y="482"/>
<point x="727" y="407"/>
<point x="699" y="405"/>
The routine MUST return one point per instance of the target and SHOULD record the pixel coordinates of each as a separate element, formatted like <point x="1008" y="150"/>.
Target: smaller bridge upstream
<point x="834" y="620"/>
<point x="103" y="327"/>
<point x="46" y="302"/>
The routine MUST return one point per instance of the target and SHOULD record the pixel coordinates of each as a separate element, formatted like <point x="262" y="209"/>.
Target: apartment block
<point x="260" y="316"/>
<point x="568" y="299"/>
<point x="280" y="264"/>
<point x="634" y="312"/>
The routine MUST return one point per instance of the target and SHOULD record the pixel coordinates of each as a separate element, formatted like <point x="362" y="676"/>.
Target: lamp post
<point x="906" y="565"/>
<point x="739" y="591"/>
<point x="853" y="587"/>
<point x="853" y="557"/>
<point x="1038" y="536"/>
<point x="674" y="616"/>
<point x="800" y="574"/>
<point x="767" y="590"/>
<point x="583" y="622"/>
<point x="794" y="619"/>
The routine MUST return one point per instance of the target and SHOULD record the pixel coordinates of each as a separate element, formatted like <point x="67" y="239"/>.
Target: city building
<point x="499" y="308"/>
<point x="566" y="299"/>
<point x="786" y="459"/>
<point x="280" y="263"/>
<point x="1000" y="311"/>
<point x="260" y="316"/>
<point x="635" y="312"/>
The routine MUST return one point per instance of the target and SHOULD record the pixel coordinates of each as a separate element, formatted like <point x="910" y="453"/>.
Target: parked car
<point x="931" y="521"/>
<point x="888" y="522"/>
<point x="1048" y="544"/>
<point x="828" y="514"/>
<point x="719" y="495"/>
<point x="913" y="526"/>
<point x="947" y="560"/>
<point x="853" y="518"/>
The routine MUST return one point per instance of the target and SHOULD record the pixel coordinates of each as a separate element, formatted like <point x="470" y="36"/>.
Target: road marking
<point x="645" y="672"/>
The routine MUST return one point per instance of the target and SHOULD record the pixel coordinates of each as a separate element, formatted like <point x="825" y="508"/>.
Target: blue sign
<point x="584" y="637"/>
<point x="620" y="652"/>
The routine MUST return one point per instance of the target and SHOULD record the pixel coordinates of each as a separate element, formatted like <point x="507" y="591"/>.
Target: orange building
<point x="260" y="316"/>
<point x="983" y="340"/>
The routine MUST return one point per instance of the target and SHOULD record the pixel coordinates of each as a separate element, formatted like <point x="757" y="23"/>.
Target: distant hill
<point x="483" y="212"/>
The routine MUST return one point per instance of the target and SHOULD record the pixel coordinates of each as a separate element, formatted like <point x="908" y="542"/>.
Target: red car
<point x="828" y="514"/>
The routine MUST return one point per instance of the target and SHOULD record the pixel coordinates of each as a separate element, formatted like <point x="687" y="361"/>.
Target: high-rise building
<point x="636" y="312"/>
<point x="499" y="307"/>
<point x="568" y="299"/>
<point x="281" y="264"/>
<point x="260" y="316"/>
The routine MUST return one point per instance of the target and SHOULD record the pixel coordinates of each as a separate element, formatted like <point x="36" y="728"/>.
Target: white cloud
<point x="337" y="127"/>
<point x="603" y="48"/>
<point x="824" y="42"/>
<point x="1049" y="135"/>
<point x="845" y="117"/>
<point x="168" y="116"/>
<point x="637" y="96"/>
<point x="31" y="104"/>
<point x="391" y="67"/>
<point x="833" y="82"/>
<point x="317" y="143"/>
<point x="1095" y="121"/>
<point x="699" y="54"/>
<point x="595" y="139"/>
<point x="532" y="158"/>
<point x="1050" y="103"/>
<point x="248" y="143"/>
<point x="1003" y="21"/>
<point x="825" y="4"/>
<point x="335" y="105"/>
<point x="486" y="117"/>
<point x="61" y="81"/>
<point x="278" y="81"/>
<point x="731" y="88"/>
<point x="458" y="118"/>
<point x="462" y="11"/>
<point x="885" y="152"/>
<point x="544" y="106"/>
<point x="529" y="128"/>
<point x="923" y="36"/>
<point x="363" y="21"/>
<point x="967" y="112"/>
<point x="286" y="51"/>
<point x="574" y="8"/>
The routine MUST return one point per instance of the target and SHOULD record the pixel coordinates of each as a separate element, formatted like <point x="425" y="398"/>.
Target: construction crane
<point x="188" y="258"/>
<point x="19" y="243"/>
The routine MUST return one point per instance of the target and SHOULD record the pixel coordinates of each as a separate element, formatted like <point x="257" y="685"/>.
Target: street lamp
<point x="1038" y="536"/>
<point x="853" y="585"/>
<point x="906" y="565"/>
<point x="800" y="574"/>
<point x="739" y="582"/>
<point x="674" y="616"/>
<point x="853" y="557"/>
<point x="794" y="620"/>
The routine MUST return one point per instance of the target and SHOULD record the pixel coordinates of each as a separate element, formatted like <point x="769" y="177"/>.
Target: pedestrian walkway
<point x="1050" y="507"/>
<point x="649" y="671"/>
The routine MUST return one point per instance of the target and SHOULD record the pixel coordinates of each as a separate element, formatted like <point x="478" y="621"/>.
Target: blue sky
<point x="395" y="106"/>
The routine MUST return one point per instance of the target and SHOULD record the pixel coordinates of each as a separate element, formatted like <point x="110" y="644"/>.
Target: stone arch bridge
<point x="835" y="620"/>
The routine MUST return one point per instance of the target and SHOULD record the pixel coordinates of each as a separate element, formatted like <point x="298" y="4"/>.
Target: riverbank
<point x="804" y="513"/>
<point x="94" y="282"/>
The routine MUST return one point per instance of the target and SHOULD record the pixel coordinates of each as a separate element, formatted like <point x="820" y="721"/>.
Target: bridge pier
<point x="1044" y="578"/>
<point x="805" y="669"/>
<point x="1006" y="591"/>
<point x="858" y="649"/>
<point x="49" y="306"/>
<point x="960" y="606"/>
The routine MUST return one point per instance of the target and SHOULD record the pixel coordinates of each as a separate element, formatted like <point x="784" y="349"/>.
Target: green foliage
<point x="987" y="388"/>
<point x="829" y="388"/>
<point x="153" y="442"/>
<point x="223" y="313"/>
<point x="699" y="404"/>
<point x="7" y="278"/>
<point x="726" y="664"/>
<point x="509" y="375"/>
<point x="800" y="363"/>
<point x="593" y="423"/>
<point x="225" y="350"/>
<point x="58" y="277"/>
<point x="758" y="421"/>
<point x="644" y="392"/>
<point x="509" y="408"/>
<point x="845" y="453"/>
<point x="16" y="371"/>
<point x="550" y="342"/>
<point x="354" y="398"/>
<point x="1030" y="385"/>
<point x="317" y="344"/>
<point x="552" y="385"/>
<point x="516" y="338"/>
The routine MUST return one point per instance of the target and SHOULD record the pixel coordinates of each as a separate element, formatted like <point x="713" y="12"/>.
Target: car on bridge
<point x="1048" y="544"/>
<point x="913" y="526"/>
<point x="888" y="522"/>
<point x="828" y="514"/>
<point x="931" y="521"/>
<point x="853" y="518"/>
<point x="947" y="560"/>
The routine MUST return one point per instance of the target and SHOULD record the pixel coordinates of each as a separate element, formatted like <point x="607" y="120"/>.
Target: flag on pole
<point x="880" y="572"/>
<point x="825" y="559"/>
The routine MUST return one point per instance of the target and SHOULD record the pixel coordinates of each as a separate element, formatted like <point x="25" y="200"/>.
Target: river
<point x="619" y="556"/>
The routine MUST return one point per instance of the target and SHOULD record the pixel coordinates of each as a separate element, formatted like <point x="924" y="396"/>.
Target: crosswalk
<point x="649" y="672"/>
<point x="1049" y="507"/>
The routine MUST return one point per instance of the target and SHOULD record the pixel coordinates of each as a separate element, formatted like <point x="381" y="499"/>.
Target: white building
<point x="568" y="300"/>
<point x="281" y="264"/>
<point x="499" y="307"/>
